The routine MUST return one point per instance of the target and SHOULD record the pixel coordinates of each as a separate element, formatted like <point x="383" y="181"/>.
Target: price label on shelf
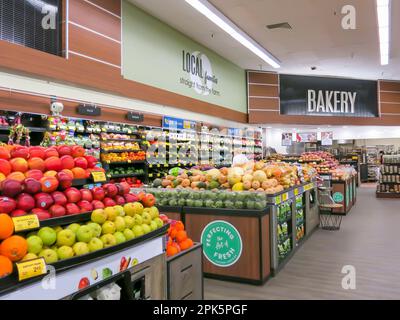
<point x="158" y="165"/>
<point x="25" y="223"/>
<point x="31" y="268"/>
<point x="129" y="161"/>
<point x="150" y="166"/>
<point x="296" y="192"/>
<point x="99" y="176"/>
<point x="278" y="199"/>
<point x="165" y="165"/>
<point x="285" y="197"/>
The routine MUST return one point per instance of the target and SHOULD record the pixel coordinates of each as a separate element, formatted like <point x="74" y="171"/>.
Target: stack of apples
<point x="177" y="237"/>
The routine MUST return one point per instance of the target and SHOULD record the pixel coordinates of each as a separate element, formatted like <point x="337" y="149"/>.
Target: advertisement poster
<point x="326" y="138"/>
<point x="307" y="137"/>
<point x="287" y="139"/>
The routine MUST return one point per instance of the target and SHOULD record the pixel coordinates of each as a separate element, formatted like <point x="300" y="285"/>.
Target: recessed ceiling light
<point x="213" y="14"/>
<point x="383" y="12"/>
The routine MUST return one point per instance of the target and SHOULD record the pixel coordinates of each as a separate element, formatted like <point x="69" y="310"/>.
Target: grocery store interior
<point x="199" y="149"/>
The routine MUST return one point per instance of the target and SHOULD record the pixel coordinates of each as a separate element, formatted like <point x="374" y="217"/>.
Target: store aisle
<point x="367" y="240"/>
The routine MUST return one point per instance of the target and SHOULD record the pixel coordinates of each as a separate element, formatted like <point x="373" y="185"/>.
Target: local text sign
<point x="321" y="96"/>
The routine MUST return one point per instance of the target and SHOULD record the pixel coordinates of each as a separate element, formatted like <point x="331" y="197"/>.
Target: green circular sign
<point x="338" y="197"/>
<point x="222" y="244"/>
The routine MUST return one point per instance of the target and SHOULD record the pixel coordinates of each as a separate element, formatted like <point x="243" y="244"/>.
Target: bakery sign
<point x="323" y="96"/>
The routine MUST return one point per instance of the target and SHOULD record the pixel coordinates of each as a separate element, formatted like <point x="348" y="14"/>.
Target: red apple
<point x="85" y="206"/>
<point x="18" y="213"/>
<point x="148" y="200"/>
<point x="126" y="188"/>
<point x="41" y="213"/>
<point x="64" y="150"/>
<point x="108" y="202"/>
<point x="11" y="188"/>
<point x="97" y="204"/>
<point x="25" y="202"/>
<point x="20" y="152"/>
<point x="7" y="205"/>
<point x="98" y="193"/>
<point x="120" y="200"/>
<point x="72" y="208"/>
<point x="59" y="198"/>
<point x="36" y="152"/>
<point x="130" y="197"/>
<point x="110" y="189"/>
<point x="51" y="152"/>
<point x="92" y="161"/>
<point x="32" y="186"/>
<point x="73" y="195"/>
<point x="77" y="151"/>
<point x="64" y="179"/>
<point x="86" y="195"/>
<point x="43" y="200"/>
<point x="81" y="162"/>
<point x="67" y="162"/>
<point x="57" y="211"/>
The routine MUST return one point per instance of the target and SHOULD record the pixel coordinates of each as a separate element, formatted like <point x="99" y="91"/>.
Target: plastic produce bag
<point x="110" y="292"/>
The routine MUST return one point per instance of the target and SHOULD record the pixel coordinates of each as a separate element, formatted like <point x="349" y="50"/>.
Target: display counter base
<point x="387" y="195"/>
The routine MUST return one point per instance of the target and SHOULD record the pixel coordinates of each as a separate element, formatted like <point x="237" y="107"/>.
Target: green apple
<point x="57" y="229"/>
<point x="99" y="216"/>
<point x="120" y="224"/>
<point x="138" y="219"/>
<point x="33" y="233"/>
<point x="54" y="247"/>
<point x="29" y="256"/>
<point x="129" y="234"/>
<point x="153" y="225"/>
<point x="65" y="252"/>
<point x="96" y="229"/>
<point x="146" y="228"/>
<point x="50" y="256"/>
<point x="111" y="213"/>
<point x="48" y="236"/>
<point x="66" y="237"/>
<point x="146" y="216"/>
<point x="154" y="212"/>
<point x="35" y="244"/>
<point x="129" y="221"/>
<point x="80" y="248"/>
<point x="138" y="231"/>
<point x="108" y="227"/>
<point x="108" y="240"/>
<point x="84" y="234"/>
<point x="120" y="210"/>
<point x="119" y="236"/>
<point x="74" y="227"/>
<point x="159" y="222"/>
<point x="95" y="244"/>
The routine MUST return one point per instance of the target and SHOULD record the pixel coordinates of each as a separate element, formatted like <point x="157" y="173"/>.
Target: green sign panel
<point x="338" y="197"/>
<point x="222" y="244"/>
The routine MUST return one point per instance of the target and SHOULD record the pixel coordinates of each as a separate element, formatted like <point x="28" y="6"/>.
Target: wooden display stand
<point x="174" y="213"/>
<point x="253" y="265"/>
<point x="344" y="192"/>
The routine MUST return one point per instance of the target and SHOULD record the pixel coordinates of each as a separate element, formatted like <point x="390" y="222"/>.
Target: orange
<point x="14" y="248"/>
<point x="186" y="244"/>
<point x="179" y="226"/>
<point x="171" y="251"/>
<point x="181" y="236"/>
<point x="6" y="266"/>
<point x="6" y="226"/>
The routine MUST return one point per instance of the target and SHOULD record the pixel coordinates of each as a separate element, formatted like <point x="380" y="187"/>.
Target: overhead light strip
<point x="383" y="12"/>
<point x="213" y="14"/>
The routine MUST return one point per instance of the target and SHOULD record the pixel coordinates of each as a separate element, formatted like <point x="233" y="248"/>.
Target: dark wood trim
<point x="263" y="77"/>
<point x="90" y="74"/>
<point x="113" y="6"/>
<point x="389" y="85"/>
<point x="263" y="91"/>
<point x="390" y="108"/>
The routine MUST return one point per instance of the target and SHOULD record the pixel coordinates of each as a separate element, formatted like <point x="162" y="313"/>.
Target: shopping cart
<point x="329" y="220"/>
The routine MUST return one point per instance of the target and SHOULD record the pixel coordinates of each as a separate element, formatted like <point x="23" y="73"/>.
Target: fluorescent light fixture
<point x="383" y="12"/>
<point x="213" y="14"/>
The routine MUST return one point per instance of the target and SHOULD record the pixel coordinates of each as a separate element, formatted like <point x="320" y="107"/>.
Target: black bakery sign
<point x="322" y="96"/>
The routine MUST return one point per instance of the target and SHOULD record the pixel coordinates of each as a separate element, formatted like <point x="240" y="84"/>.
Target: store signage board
<point x="306" y="137"/>
<point x="135" y="117"/>
<point x="287" y="139"/>
<point x="323" y="96"/>
<point x="178" y="123"/>
<point x="89" y="110"/>
<point x="222" y="243"/>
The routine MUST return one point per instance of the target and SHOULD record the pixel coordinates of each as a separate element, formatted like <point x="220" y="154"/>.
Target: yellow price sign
<point x="278" y="199"/>
<point x="285" y="196"/>
<point x="296" y="192"/>
<point x="165" y="165"/>
<point x="99" y="176"/>
<point x="24" y="223"/>
<point x="31" y="268"/>
<point x="158" y="165"/>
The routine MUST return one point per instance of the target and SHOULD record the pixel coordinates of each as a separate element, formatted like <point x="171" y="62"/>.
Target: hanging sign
<point x="326" y="138"/>
<point x="135" y="117"/>
<point x="89" y="110"/>
<point x="323" y="96"/>
<point x="306" y="137"/>
<point x="287" y="139"/>
<point x="177" y="123"/>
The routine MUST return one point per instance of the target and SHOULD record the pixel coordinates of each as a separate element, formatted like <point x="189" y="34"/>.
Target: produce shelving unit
<point x="97" y="269"/>
<point x="344" y="192"/>
<point x="389" y="181"/>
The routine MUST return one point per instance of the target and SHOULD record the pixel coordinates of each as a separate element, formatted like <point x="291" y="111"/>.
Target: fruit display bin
<point x="69" y="274"/>
<point x="236" y="242"/>
<point x="185" y="275"/>
<point x="174" y="213"/>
